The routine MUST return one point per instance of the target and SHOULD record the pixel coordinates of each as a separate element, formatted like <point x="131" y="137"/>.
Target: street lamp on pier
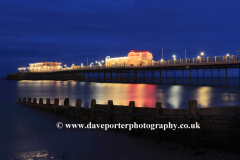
<point x="174" y="57"/>
<point x="202" y="53"/>
<point x="227" y="55"/>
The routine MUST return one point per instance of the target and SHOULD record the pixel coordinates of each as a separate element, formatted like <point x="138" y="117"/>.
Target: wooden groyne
<point x="219" y="127"/>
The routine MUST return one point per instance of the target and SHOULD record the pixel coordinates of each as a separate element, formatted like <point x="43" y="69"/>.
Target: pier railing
<point x="203" y="60"/>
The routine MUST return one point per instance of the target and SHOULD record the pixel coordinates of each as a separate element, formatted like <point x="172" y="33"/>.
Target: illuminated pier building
<point x="44" y="66"/>
<point x="134" y="58"/>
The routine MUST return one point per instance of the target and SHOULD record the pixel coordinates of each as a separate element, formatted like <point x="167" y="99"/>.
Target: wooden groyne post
<point x="220" y="127"/>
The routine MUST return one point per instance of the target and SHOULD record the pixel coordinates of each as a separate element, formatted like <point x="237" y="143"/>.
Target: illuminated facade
<point x="134" y="58"/>
<point x="44" y="66"/>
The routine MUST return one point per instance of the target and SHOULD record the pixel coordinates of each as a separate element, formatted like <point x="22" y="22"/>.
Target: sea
<point x="28" y="133"/>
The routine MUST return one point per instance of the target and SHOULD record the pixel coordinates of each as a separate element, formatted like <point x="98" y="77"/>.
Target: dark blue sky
<point x="76" y="29"/>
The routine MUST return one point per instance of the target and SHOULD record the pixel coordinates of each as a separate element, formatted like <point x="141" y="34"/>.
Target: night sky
<point x="32" y="31"/>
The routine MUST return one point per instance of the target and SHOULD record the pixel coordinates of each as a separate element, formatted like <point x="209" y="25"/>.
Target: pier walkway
<point x="198" y="71"/>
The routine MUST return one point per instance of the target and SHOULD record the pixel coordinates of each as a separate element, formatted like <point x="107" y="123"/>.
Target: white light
<point x="227" y="55"/>
<point x="23" y="68"/>
<point x="198" y="56"/>
<point x="161" y="60"/>
<point x="102" y="61"/>
<point x="139" y="59"/>
<point x="72" y="64"/>
<point x="174" y="56"/>
<point x="96" y="61"/>
<point x="202" y="53"/>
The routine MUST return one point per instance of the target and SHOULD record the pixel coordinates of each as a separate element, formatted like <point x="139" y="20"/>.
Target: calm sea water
<point x="144" y="95"/>
<point x="27" y="132"/>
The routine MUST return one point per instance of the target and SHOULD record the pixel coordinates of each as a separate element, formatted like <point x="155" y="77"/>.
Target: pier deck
<point x="188" y="71"/>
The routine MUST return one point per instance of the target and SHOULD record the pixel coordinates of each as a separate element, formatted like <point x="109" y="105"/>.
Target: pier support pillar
<point x="110" y="76"/>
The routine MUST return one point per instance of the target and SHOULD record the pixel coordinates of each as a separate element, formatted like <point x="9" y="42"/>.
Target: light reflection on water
<point x="175" y="98"/>
<point x="28" y="132"/>
<point x="204" y="96"/>
<point x="144" y="95"/>
<point x="31" y="155"/>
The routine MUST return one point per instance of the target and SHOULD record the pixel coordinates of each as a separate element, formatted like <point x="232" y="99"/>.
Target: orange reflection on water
<point x="142" y="94"/>
<point x="103" y="92"/>
<point x="122" y="94"/>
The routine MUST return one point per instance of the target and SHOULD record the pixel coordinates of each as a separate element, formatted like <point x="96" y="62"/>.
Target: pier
<point x="204" y="71"/>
